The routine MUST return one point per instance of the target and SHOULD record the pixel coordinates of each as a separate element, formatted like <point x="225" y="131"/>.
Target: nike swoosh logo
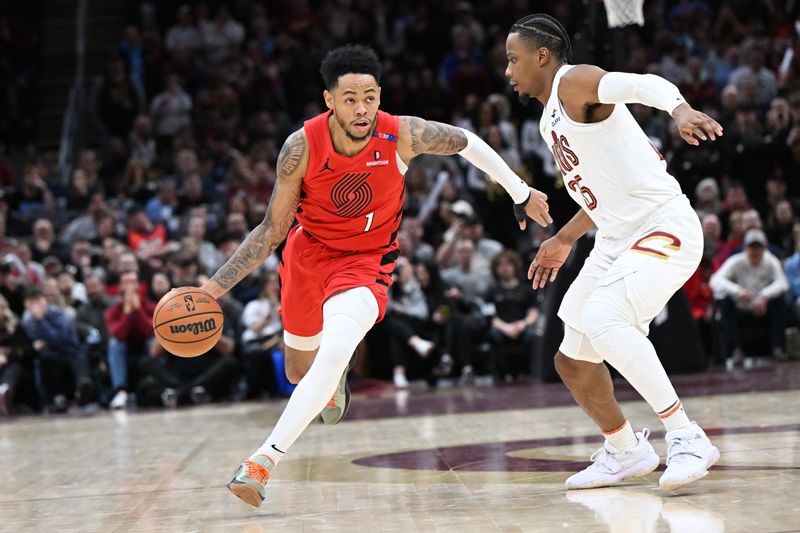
<point x="276" y="449"/>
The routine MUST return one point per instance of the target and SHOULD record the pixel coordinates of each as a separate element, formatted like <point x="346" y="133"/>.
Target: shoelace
<point x="604" y="455"/>
<point x="256" y="471"/>
<point x="680" y="449"/>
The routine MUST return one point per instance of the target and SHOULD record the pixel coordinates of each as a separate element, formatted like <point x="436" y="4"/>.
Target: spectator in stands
<point x="141" y="142"/>
<point x="162" y="208"/>
<point x="516" y="312"/>
<point x="146" y="239"/>
<point x="16" y="363"/>
<point x="779" y="227"/>
<point x="44" y="241"/>
<point x="754" y="71"/>
<point x="792" y="269"/>
<point x="63" y="363"/>
<point x="706" y="197"/>
<point x="466" y="225"/>
<point x="209" y="255"/>
<point x="92" y="311"/>
<point x="117" y="98"/>
<point x="407" y="321"/>
<point x="751" y="286"/>
<point x="471" y="280"/>
<point x="262" y="332"/>
<point x="130" y="325"/>
<point x="221" y="37"/>
<point x="160" y="285"/>
<point x="12" y="287"/>
<point x="183" y="36"/>
<point x="34" y="197"/>
<point x="171" y="111"/>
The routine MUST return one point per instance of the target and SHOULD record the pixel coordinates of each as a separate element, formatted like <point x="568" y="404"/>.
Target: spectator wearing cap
<point x="751" y="286"/>
<point x="466" y="225"/>
<point x="706" y="197"/>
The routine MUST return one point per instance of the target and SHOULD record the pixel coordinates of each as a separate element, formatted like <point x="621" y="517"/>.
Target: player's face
<point x="355" y="101"/>
<point x="524" y="71"/>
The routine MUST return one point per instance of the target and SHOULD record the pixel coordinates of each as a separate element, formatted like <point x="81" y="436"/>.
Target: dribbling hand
<point x="545" y="266"/>
<point x="694" y="125"/>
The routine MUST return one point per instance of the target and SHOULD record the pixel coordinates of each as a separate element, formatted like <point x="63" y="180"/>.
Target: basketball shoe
<point x="689" y="456"/>
<point x="250" y="479"/>
<point x="337" y="407"/>
<point x="611" y="466"/>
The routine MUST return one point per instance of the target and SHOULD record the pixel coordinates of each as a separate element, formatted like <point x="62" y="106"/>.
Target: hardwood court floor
<point x="477" y="459"/>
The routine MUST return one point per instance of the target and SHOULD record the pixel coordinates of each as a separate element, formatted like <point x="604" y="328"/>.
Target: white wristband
<point x="647" y="89"/>
<point x="482" y="156"/>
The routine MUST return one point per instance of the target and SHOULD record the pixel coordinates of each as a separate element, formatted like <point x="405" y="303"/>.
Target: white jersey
<point x="610" y="168"/>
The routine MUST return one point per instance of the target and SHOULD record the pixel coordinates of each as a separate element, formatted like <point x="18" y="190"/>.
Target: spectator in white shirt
<point x="171" y="110"/>
<point x="262" y="333"/>
<point x="184" y="35"/>
<point x="751" y="286"/>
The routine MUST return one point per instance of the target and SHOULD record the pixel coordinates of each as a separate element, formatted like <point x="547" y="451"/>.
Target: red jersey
<point x="352" y="203"/>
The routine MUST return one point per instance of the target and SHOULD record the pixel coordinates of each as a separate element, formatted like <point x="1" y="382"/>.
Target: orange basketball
<point x="188" y="322"/>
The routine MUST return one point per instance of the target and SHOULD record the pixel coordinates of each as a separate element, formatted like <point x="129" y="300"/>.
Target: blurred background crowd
<point x="175" y="161"/>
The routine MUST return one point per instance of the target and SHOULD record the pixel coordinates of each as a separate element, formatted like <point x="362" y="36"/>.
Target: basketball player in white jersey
<point x="648" y="243"/>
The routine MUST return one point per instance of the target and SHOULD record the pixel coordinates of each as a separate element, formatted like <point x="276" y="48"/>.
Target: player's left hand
<point x="545" y="266"/>
<point x="536" y="208"/>
<point x="694" y="125"/>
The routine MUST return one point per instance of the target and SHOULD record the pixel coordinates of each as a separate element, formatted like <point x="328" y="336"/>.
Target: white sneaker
<point x="120" y="400"/>
<point x="611" y="466"/>
<point x="689" y="456"/>
<point x="400" y="381"/>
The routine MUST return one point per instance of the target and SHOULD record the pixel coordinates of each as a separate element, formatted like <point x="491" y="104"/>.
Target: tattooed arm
<point x="265" y="238"/>
<point x="418" y="136"/>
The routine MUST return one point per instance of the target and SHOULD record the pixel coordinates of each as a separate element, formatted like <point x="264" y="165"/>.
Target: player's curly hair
<point x="543" y="30"/>
<point x="349" y="59"/>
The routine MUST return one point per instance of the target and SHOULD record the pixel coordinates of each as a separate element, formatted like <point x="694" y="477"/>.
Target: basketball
<point x="187" y="322"/>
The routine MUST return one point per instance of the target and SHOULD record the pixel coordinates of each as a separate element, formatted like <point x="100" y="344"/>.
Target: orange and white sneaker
<point x="251" y="478"/>
<point x="337" y="407"/>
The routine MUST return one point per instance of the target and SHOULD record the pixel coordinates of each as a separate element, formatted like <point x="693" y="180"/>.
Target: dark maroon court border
<point x="378" y="400"/>
<point x="493" y="456"/>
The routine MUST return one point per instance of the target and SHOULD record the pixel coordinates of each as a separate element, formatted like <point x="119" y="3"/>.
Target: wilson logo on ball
<point x="195" y="328"/>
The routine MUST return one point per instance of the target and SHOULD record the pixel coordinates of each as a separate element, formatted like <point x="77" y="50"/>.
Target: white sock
<point x="622" y="438"/>
<point x="347" y="317"/>
<point x="674" y="417"/>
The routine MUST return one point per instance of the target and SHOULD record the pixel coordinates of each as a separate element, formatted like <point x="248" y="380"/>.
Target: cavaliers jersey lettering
<point x="352" y="203"/>
<point x="610" y="168"/>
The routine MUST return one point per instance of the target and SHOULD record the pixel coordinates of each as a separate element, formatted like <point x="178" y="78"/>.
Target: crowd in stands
<point x="195" y="103"/>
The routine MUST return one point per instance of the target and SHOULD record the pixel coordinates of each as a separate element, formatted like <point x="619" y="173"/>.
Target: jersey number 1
<point x="369" y="220"/>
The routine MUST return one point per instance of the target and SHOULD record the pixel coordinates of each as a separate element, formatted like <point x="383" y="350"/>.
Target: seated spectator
<point x="515" y="314"/>
<point x="779" y="228"/>
<point x="34" y="196"/>
<point x="792" y="269"/>
<point x="465" y="224"/>
<point x="209" y="255"/>
<point x="407" y="321"/>
<point x="706" y="197"/>
<point x="160" y="285"/>
<point x="54" y="297"/>
<point x="44" y="241"/>
<point x="63" y="363"/>
<point x="262" y="332"/>
<point x="473" y="281"/>
<point x="733" y="243"/>
<point x="171" y="110"/>
<point x="751" y="286"/>
<point x="17" y="385"/>
<point x="130" y="325"/>
<point x="145" y="238"/>
<point x="184" y="34"/>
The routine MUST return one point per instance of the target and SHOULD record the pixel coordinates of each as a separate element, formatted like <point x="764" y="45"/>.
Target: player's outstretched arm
<point x="587" y="85"/>
<point x="419" y="136"/>
<point x="265" y="238"/>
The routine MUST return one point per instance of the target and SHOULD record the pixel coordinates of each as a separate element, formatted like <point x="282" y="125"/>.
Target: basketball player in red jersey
<point x="341" y="177"/>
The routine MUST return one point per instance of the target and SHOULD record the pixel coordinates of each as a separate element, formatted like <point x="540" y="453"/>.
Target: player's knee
<point x="599" y="317"/>
<point x="571" y="371"/>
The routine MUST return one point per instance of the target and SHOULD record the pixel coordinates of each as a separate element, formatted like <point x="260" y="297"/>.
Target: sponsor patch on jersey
<point x="381" y="163"/>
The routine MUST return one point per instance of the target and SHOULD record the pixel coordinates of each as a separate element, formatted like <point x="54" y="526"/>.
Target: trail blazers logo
<point x="352" y="194"/>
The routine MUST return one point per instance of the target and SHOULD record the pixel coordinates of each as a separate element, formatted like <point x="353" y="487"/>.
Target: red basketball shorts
<point x="311" y="272"/>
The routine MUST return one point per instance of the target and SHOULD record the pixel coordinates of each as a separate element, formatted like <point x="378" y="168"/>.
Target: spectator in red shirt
<point x="130" y="327"/>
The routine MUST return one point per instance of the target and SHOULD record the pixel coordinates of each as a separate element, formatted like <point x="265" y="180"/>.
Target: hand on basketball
<point x="694" y="125"/>
<point x="545" y="266"/>
<point x="537" y="209"/>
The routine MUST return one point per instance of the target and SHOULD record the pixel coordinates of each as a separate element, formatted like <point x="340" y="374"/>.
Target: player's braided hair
<point x="349" y="59"/>
<point x="544" y="30"/>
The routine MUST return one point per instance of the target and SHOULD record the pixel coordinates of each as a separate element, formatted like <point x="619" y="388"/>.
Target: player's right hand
<point x="536" y="208"/>
<point x="693" y="125"/>
<point x="545" y="266"/>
